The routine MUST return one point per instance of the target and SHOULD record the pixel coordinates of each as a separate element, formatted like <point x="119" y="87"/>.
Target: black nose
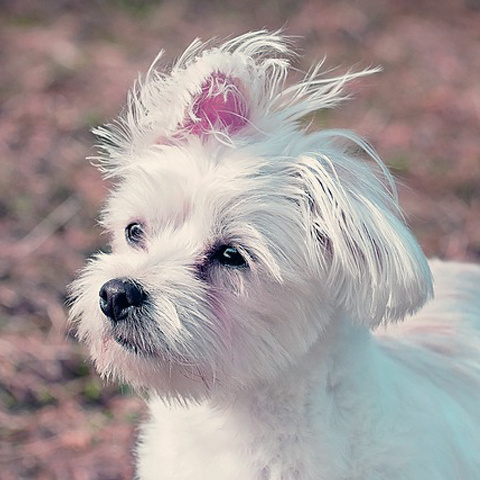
<point x="117" y="296"/>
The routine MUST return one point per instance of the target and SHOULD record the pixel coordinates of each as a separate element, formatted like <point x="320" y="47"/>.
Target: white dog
<point x="250" y="262"/>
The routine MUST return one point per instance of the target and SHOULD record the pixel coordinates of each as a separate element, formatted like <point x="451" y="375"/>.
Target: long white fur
<point x="272" y="372"/>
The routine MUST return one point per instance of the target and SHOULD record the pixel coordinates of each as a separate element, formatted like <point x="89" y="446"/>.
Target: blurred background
<point x="65" y="66"/>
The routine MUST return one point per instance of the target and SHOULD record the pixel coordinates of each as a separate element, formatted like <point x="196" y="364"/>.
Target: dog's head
<point x="238" y="237"/>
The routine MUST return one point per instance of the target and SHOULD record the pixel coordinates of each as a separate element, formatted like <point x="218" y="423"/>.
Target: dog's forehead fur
<point x="196" y="197"/>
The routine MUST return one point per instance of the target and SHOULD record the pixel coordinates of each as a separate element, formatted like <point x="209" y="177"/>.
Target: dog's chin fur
<point x="266" y="368"/>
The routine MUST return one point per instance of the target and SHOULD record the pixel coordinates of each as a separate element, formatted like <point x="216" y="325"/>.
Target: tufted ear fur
<point x="219" y="107"/>
<point x="232" y="92"/>
<point x="373" y="265"/>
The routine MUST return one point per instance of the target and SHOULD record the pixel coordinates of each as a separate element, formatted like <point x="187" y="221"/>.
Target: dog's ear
<point x="213" y="91"/>
<point x="371" y="261"/>
<point x="219" y="107"/>
<point x="232" y="92"/>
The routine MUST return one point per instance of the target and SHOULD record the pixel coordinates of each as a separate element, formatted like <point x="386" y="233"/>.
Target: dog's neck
<point x="318" y="397"/>
<point x="342" y="356"/>
<point x="337" y="394"/>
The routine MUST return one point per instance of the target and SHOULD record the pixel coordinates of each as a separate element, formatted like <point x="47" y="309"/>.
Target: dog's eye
<point x="229" y="256"/>
<point x="134" y="233"/>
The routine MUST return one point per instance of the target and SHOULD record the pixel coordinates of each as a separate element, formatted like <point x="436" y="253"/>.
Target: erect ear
<point x="372" y="263"/>
<point x="219" y="107"/>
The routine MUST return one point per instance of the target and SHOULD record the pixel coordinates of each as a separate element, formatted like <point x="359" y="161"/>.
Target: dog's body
<point x="250" y="262"/>
<point x="398" y="405"/>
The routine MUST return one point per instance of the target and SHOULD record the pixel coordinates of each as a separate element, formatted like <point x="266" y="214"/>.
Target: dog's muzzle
<point x="119" y="297"/>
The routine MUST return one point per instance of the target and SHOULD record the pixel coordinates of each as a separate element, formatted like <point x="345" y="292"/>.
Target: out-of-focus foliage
<point x="65" y="65"/>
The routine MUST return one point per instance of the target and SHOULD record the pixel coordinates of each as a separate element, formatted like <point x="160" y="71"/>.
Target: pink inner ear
<point x="221" y="105"/>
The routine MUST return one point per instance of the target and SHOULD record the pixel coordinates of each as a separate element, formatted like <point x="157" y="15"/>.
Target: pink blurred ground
<point x="66" y="65"/>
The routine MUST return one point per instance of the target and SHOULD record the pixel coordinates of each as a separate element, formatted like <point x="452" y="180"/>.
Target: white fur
<point x="272" y="371"/>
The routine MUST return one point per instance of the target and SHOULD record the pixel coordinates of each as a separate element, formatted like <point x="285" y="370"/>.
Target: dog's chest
<point x="185" y="444"/>
<point x="199" y="443"/>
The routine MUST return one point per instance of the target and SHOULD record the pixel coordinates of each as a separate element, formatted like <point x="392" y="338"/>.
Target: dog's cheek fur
<point x="268" y="331"/>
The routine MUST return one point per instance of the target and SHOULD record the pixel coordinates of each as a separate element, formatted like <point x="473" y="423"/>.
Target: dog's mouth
<point x="134" y="346"/>
<point x="139" y="338"/>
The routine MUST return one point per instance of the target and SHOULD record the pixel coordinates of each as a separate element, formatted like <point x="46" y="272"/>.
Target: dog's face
<point x="237" y="238"/>
<point x="209" y="280"/>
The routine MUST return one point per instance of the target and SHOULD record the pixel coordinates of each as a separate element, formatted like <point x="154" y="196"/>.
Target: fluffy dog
<point x="251" y="260"/>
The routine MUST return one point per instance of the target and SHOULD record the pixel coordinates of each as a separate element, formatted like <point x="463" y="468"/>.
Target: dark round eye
<point x="134" y="233"/>
<point x="229" y="256"/>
